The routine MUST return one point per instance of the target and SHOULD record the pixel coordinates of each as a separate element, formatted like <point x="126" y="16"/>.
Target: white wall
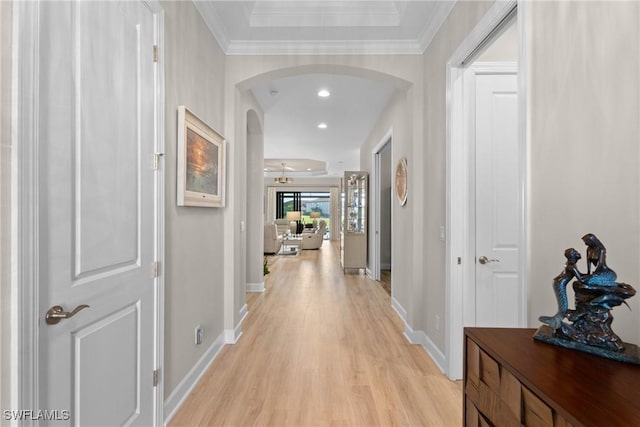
<point x="195" y="258"/>
<point x="396" y="117"/>
<point x="462" y="19"/>
<point x="6" y="310"/>
<point x="504" y="48"/>
<point x="584" y="100"/>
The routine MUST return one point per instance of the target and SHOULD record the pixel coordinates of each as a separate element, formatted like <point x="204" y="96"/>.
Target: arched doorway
<point x="245" y="89"/>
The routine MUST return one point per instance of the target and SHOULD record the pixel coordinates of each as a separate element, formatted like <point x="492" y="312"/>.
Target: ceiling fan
<point x="283" y="179"/>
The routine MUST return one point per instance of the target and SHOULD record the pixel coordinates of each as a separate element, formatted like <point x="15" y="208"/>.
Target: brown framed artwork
<point x="401" y="181"/>
<point x="201" y="162"/>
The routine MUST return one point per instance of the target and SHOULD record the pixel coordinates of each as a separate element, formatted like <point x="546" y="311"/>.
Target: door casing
<point x="374" y="267"/>
<point x="459" y="251"/>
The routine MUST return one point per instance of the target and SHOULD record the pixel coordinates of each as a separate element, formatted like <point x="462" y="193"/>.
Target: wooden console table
<point x="512" y="380"/>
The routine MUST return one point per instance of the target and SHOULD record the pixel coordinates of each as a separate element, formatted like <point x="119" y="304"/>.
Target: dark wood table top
<point x="586" y="390"/>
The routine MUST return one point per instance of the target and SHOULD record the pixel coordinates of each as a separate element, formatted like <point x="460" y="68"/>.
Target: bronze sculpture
<point x="588" y="326"/>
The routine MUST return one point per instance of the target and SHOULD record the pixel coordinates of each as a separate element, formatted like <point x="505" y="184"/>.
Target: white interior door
<point x="497" y="195"/>
<point x="96" y="195"/>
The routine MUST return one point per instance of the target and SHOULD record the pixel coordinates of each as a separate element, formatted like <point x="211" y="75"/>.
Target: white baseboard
<point x="419" y="337"/>
<point x="399" y="309"/>
<point x="181" y="392"/>
<point x="231" y="336"/>
<point x="369" y="272"/>
<point x="243" y="313"/>
<point x="255" y="287"/>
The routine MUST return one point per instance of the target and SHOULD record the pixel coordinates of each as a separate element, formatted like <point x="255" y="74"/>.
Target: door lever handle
<point x="484" y="260"/>
<point x="57" y="313"/>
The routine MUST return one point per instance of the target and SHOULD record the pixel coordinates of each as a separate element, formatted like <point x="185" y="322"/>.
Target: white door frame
<point x="459" y="251"/>
<point x="374" y="196"/>
<point x="25" y="280"/>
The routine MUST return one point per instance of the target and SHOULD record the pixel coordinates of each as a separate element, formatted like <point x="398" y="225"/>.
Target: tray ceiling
<point x="323" y="27"/>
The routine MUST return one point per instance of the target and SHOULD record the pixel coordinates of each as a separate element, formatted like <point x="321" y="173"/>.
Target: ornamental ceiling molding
<point x="282" y="15"/>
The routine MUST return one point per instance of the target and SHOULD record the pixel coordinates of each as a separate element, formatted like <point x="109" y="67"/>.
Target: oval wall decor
<point x="401" y="181"/>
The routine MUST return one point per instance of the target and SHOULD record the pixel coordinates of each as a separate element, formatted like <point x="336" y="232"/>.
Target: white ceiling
<point x="291" y="105"/>
<point x="291" y="118"/>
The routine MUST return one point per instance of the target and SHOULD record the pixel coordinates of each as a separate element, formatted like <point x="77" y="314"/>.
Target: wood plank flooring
<point x="321" y="348"/>
<point x="385" y="280"/>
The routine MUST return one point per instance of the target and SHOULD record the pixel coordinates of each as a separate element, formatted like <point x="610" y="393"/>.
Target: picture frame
<point x="201" y="162"/>
<point x="401" y="181"/>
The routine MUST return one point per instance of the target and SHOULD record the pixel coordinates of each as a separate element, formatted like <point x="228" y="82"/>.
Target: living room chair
<point x="283" y="226"/>
<point x="314" y="240"/>
<point x="272" y="241"/>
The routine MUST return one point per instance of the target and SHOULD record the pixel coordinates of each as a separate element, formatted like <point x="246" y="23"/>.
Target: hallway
<point x="321" y="348"/>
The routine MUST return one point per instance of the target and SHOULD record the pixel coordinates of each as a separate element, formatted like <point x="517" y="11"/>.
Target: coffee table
<point x="291" y="245"/>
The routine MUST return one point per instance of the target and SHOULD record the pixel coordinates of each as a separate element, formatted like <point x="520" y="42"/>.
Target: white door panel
<point x="99" y="370"/>
<point x="497" y="200"/>
<point x="96" y="185"/>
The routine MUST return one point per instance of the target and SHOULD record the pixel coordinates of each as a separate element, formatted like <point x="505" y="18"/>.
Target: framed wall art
<point x="401" y="181"/>
<point x="201" y="162"/>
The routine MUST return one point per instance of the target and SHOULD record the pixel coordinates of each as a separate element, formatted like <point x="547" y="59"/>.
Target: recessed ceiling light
<point x="323" y="93"/>
<point x="309" y="169"/>
<point x="322" y="126"/>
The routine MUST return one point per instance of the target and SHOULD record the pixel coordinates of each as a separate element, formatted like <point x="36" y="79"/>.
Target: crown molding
<point x="215" y="25"/>
<point x="418" y="46"/>
<point x="441" y="12"/>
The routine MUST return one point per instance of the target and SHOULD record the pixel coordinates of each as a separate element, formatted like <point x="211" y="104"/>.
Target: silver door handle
<point x="484" y="260"/>
<point x="57" y="313"/>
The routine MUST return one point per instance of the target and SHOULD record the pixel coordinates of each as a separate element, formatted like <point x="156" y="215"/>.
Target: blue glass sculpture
<point x="588" y="327"/>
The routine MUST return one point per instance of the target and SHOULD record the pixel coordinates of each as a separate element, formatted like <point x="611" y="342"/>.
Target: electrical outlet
<point x="199" y="334"/>
<point x="437" y="322"/>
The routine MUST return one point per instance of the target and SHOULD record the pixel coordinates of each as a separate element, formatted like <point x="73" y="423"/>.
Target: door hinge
<point x="459" y="260"/>
<point x="156" y="160"/>
<point x="155" y="268"/>
<point x="155" y="53"/>
<point x="155" y="378"/>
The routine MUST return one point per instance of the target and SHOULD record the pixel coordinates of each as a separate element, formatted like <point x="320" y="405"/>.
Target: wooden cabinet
<point x="512" y="380"/>
<point x="354" y="226"/>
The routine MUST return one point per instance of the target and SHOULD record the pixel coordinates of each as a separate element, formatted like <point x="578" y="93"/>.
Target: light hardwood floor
<point x="321" y="348"/>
